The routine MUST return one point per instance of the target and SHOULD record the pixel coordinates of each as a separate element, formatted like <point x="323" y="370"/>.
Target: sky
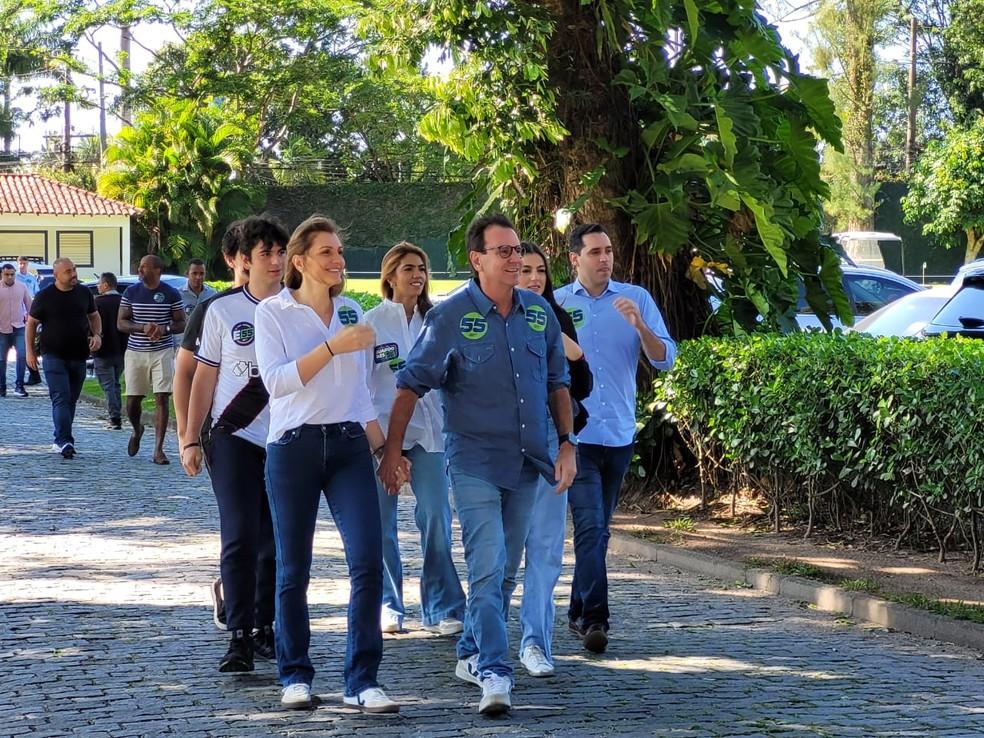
<point x="30" y="135"/>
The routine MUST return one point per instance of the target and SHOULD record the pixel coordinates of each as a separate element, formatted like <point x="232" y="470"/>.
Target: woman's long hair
<point x="300" y="243"/>
<point x="391" y="262"/>
<point x="548" y="295"/>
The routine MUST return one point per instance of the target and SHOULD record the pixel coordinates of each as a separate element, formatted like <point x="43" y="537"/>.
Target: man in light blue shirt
<point x="614" y="320"/>
<point x="30" y="281"/>
<point x="497" y="356"/>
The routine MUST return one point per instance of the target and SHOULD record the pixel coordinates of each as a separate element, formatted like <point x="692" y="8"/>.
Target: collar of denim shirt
<point x="485" y="304"/>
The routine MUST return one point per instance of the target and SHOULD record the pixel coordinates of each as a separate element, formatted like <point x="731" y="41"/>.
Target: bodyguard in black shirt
<point x="71" y="329"/>
<point x="108" y="360"/>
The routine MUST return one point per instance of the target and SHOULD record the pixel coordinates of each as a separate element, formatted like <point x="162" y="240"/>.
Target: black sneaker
<point x="595" y="638"/>
<point x="115" y="424"/>
<point x="21" y="392"/>
<point x="264" y="643"/>
<point x="239" y="657"/>
<point x="68" y="451"/>
<point x="574" y="626"/>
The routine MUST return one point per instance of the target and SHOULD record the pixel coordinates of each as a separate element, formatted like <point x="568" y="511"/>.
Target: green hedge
<point x="839" y="430"/>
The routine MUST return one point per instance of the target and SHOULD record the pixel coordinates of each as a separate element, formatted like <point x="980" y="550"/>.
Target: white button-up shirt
<point x="287" y="331"/>
<point x="394" y="335"/>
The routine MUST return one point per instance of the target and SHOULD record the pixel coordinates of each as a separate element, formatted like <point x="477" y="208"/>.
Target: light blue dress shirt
<point x="495" y="373"/>
<point x="612" y="348"/>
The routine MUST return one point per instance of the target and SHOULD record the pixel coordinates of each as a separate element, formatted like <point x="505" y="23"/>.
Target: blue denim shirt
<point x="495" y="374"/>
<point x="612" y="348"/>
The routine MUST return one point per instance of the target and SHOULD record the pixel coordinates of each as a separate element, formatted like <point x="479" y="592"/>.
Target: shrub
<point x="839" y="429"/>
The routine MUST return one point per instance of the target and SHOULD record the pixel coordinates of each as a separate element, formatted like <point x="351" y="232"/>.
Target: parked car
<point x="868" y="289"/>
<point x="963" y="314"/>
<point x="906" y="316"/>
<point x="125" y="280"/>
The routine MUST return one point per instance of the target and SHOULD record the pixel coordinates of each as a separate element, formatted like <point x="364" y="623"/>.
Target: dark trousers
<point x="65" y="378"/>
<point x="593" y="497"/>
<point x="13" y="340"/>
<point x="108" y="372"/>
<point x="248" y="562"/>
<point x="303" y="464"/>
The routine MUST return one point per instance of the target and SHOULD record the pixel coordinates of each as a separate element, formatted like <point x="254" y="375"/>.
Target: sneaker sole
<point x="538" y="674"/>
<point x="498" y="707"/>
<point x="236" y="666"/>
<point x="381" y="710"/>
<point x="596" y="641"/>
<point x="297" y="705"/>
<point x="464" y="675"/>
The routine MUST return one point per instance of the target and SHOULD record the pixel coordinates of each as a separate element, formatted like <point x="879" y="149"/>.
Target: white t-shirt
<point x="241" y="404"/>
<point x="394" y="339"/>
<point x="286" y="331"/>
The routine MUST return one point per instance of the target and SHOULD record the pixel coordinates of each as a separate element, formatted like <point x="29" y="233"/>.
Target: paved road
<point x="105" y="631"/>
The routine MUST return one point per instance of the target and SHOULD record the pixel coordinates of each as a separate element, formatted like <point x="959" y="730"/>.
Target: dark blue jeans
<point x="303" y="464"/>
<point x="593" y="498"/>
<point x="15" y="341"/>
<point x="64" y="378"/>
<point x="248" y="562"/>
<point x="108" y="371"/>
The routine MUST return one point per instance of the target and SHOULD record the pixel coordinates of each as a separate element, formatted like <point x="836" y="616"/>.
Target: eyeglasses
<point x="504" y="251"/>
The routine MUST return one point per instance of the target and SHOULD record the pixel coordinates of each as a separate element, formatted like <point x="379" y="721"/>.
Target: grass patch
<point x="434" y="287"/>
<point x="92" y="389"/>
<point x="683" y="524"/>
<point x="653" y="536"/>
<point x="862" y="584"/>
<point x="787" y="567"/>
<point x="955" y="610"/>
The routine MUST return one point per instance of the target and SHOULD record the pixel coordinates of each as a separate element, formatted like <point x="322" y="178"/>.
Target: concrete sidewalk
<point x="105" y="630"/>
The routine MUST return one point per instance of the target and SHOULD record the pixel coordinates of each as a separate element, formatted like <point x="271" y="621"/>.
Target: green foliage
<point x="366" y="300"/>
<point x="963" y="60"/>
<point x="946" y="190"/>
<point x="179" y="164"/>
<point x="850" y="428"/>
<point x="705" y="143"/>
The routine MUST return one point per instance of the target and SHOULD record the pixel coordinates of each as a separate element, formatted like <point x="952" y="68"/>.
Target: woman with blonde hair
<point x="397" y="321"/>
<point x="311" y="349"/>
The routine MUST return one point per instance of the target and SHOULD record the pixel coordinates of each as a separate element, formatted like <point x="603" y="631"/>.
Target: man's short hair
<point x="155" y="261"/>
<point x="5" y="267"/>
<point x="109" y="278"/>
<point x="22" y="258"/>
<point x="475" y="237"/>
<point x="578" y="234"/>
<point x="263" y="229"/>
<point x="195" y="262"/>
<point x="232" y="240"/>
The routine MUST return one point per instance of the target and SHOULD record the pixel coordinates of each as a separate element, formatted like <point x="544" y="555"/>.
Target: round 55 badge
<point x="473" y="326"/>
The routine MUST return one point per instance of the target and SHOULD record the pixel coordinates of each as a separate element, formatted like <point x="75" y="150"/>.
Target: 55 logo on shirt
<point x="243" y="333"/>
<point x="473" y="326"/>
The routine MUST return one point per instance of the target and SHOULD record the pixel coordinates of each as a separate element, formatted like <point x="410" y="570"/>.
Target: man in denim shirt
<point x="496" y="354"/>
<point x="614" y="320"/>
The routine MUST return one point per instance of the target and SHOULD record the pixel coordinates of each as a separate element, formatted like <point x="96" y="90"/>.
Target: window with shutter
<point x="32" y="244"/>
<point x="77" y="246"/>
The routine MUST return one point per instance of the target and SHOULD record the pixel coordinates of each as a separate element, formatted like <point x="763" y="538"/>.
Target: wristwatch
<point x="568" y="437"/>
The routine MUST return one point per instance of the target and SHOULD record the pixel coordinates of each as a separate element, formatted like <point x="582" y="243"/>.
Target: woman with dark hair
<point x="397" y="321"/>
<point x="548" y="522"/>
<point x="311" y="349"/>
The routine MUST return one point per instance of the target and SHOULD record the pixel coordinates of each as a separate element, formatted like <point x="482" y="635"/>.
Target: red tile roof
<point x="29" y="194"/>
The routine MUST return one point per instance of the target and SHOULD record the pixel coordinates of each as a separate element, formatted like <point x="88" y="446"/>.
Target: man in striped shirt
<point x="152" y="313"/>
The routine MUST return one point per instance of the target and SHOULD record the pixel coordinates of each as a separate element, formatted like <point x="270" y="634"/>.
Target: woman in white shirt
<point x="311" y="349"/>
<point x="397" y="321"/>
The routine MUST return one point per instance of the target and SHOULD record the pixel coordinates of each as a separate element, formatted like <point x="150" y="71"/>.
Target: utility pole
<point x="102" y="103"/>
<point x="125" y="37"/>
<point x="67" y="136"/>
<point x="910" y="131"/>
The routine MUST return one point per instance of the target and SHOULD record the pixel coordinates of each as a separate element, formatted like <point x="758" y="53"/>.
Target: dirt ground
<point x="749" y="534"/>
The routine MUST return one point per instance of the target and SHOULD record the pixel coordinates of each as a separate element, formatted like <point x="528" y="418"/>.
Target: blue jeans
<point x="108" y="370"/>
<point x="64" y="378"/>
<point x="441" y="595"/>
<point x="248" y="561"/>
<point x="303" y="464"/>
<point x="593" y="498"/>
<point x="494" y="523"/>
<point x="544" y="560"/>
<point x="15" y="341"/>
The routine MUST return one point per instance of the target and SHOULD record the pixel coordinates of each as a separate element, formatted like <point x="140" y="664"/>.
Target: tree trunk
<point x="974" y="242"/>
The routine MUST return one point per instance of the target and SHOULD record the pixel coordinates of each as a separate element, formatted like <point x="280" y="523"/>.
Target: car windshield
<point x="967" y="303"/>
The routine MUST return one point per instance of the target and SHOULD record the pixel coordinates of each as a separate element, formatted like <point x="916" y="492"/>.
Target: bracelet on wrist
<point x="329" y="350"/>
<point x="194" y="444"/>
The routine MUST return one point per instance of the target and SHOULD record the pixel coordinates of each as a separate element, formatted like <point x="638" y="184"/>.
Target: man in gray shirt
<point x="196" y="291"/>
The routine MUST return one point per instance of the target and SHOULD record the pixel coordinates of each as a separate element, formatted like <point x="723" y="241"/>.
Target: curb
<point x="825" y="597"/>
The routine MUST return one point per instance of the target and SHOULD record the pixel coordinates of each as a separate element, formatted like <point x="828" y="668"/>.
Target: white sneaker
<point x="296" y="696"/>
<point x="372" y="699"/>
<point x="496" y="694"/>
<point x="391" y="622"/>
<point x="467" y="670"/>
<point x="536" y="662"/>
<point x="55" y="448"/>
<point x="447" y="627"/>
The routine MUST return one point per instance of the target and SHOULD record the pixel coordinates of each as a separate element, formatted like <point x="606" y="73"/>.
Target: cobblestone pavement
<point x="105" y="630"/>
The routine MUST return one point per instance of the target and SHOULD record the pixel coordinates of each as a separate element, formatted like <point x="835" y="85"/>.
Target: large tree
<point x="688" y="130"/>
<point x="946" y="192"/>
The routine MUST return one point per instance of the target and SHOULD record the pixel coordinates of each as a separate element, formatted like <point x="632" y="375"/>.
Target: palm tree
<point x="182" y="163"/>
